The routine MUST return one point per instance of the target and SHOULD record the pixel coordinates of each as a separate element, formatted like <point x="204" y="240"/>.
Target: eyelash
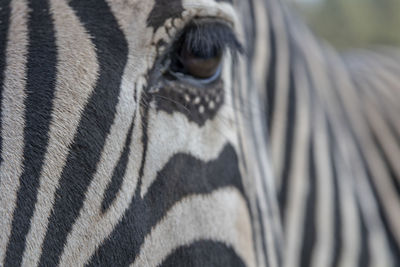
<point x="205" y="35"/>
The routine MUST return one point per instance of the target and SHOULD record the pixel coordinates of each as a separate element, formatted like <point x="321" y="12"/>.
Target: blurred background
<point x="353" y="23"/>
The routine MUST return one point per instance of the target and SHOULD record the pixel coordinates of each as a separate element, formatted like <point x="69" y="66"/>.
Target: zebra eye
<point x="198" y="52"/>
<point x="198" y="64"/>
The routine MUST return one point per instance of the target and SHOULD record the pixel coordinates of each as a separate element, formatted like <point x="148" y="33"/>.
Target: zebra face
<point x="120" y="138"/>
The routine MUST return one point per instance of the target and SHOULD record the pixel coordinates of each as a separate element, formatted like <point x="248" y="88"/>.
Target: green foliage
<point x="355" y="23"/>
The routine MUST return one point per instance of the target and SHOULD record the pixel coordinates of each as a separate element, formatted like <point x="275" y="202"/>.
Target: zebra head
<point x="131" y="134"/>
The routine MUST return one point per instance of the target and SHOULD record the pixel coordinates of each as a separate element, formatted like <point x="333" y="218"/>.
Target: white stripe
<point x="220" y="216"/>
<point x="77" y="69"/>
<point x="12" y="118"/>
<point x="262" y="51"/>
<point x="279" y="118"/>
<point x="92" y="227"/>
<point x="350" y="221"/>
<point x="298" y="190"/>
<point x="323" y="249"/>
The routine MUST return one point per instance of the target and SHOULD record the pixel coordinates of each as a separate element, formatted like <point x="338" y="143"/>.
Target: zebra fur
<point x="295" y="167"/>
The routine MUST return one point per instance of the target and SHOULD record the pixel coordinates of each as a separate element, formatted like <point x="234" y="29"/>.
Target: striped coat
<point x="120" y="145"/>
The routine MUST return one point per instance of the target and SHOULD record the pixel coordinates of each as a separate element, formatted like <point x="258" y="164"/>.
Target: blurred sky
<point x="306" y="1"/>
<point x="349" y="24"/>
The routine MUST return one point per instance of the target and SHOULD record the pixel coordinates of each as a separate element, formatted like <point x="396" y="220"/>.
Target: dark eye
<point x="199" y="65"/>
<point x="198" y="52"/>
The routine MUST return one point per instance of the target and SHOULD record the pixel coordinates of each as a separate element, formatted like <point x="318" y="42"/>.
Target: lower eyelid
<point x="196" y="82"/>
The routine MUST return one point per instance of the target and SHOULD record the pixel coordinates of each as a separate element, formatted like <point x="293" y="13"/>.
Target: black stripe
<point x="119" y="172"/>
<point x="94" y="127"/>
<point x="235" y="81"/>
<point x="262" y="232"/>
<point x="394" y="177"/>
<point x="395" y="249"/>
<point x="271" y="76"/>
<point x="338" y="242"/>
<point x="182" y="176"/>
<point x="4" y="24"/>
<point x="227" y="1"/>
<point x="392" y="128"/>
<point x="364" y="257"/>
<point x="290" y="126"/>
<point x="40" y="87"/>
<point x="144" y="102"/>
<point x="309" y="233"/>
<point x="203" y="253"/>
<point x="251" y="33"/>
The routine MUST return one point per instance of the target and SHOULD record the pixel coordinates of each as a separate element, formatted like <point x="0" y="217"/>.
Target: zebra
<point x="191" y="133"/>
<point x="120" y="137"/>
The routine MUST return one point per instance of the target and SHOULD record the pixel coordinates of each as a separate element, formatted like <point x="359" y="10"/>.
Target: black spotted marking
<point x="4" y="24"/>
<point x="197" y="104"/>
<point x="162" y="11"/>
<point x="182" y="176"/>
<point x="94" y="127"/>
<point x="40" y="87"/>
<point x="119" y="172"/>
<point x="203" y="253"/>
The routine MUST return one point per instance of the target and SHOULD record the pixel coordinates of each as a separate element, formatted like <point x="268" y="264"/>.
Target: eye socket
<point x="198" y="52"/>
